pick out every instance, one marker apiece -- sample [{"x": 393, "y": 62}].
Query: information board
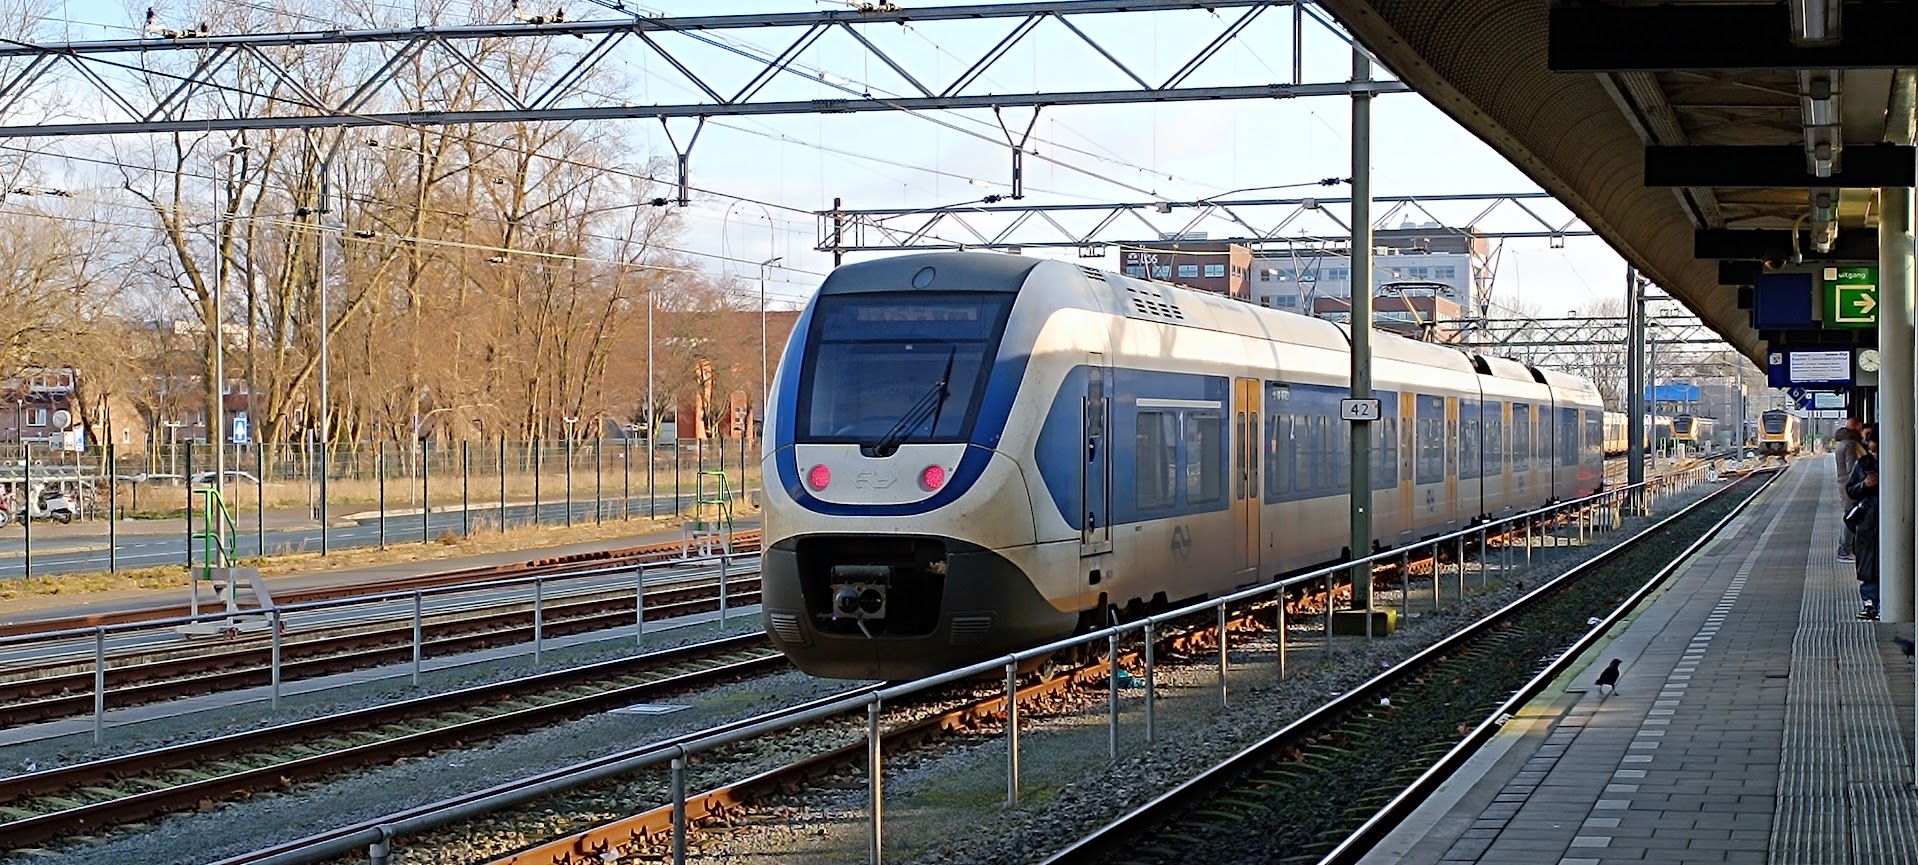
[{"x": 1819, "y": 367}]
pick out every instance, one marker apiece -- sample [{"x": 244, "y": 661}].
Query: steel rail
[
  {"x": 349, "y": 839},
  {"x": 251, "y": 667},
  {"x": 97, "y": 816}
]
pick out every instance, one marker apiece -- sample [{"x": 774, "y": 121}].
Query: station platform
[{"x": 1756, "y": 720}]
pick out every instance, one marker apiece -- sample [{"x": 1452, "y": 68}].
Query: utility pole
[
  {"x": 326, "y": 324},
  {"x": 1635, "y": 347},
  {"x": 838, "y": 231},
  {"x": 1361, "y": 495}
]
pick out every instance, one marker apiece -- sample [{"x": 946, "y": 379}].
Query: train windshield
[
  {"x": 1774, "y": 423},
  {"x": 1682, "y": 424},
  {"x": 892, "y": 368}
]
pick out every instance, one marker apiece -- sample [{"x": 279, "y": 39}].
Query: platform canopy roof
[{"x": 1697, "y": 137}]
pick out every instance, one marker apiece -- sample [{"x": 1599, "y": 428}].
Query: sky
[{"x": 1093, "y": 154}]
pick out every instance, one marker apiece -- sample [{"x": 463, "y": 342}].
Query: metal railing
[{"x": 538, "y": 589}]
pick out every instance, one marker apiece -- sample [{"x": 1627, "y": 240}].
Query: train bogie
[{"x": 974, "y": 453}]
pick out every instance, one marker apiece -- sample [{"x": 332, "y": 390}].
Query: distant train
[
  {"x": 1658, "y": 433},
  {"x": 976, "y": 453},
  {"x": 1693, "y": 431},
  {"x": 1778, "y": 434}
]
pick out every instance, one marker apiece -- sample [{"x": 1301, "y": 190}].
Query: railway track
[
  {"x": 743, "y": 542},
  {"x": 648, "y": 835},
  {"x": 88, "y": 798},
  {"x": 248, "y": 663},
  {"x": 1318, "y": 791}
]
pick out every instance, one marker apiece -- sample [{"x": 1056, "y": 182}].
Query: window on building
[
  {"x": 1135, "y": 270},
  {"x": 1289, "y": 301},
  {"x": 1265, "y": 274},
  {"x": 1157, "y": 460},
  {"x": 1215, "y": 270},
  {"x": 36, "y": 417},
  {"x": 1162, "y": 271},
  {"x": 1444, "y": 271},
  {"x": 1188, "y": 270},
  {"x": 1419, "y": 272},
  {"x": 1265, "y": 301}
]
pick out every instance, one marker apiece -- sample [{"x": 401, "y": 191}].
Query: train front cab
[{"x": 871, "y": 568}]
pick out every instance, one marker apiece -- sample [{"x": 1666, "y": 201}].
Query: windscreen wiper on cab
[{"x": 932, "y": 404}]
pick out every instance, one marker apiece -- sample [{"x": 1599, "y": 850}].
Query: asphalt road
[{"x": 64, "y": 553}]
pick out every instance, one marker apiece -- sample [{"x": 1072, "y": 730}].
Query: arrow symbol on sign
[{"x": 1866, "y": 304}]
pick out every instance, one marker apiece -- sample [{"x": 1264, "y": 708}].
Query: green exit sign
[{"x": 1851, "y": 297}]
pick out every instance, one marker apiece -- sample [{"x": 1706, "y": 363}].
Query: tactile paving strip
[{"x": 1845, "y": 772}]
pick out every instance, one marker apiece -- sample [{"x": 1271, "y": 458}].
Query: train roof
[
  {"x": 1566, "y": 382},
  {"x": 950, "y": 271},
  {"x": 1503, "y": 367},
  {"x": 1166, "y": 302}
]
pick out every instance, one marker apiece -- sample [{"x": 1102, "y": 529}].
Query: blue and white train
[{"x": 973, "y": 453}]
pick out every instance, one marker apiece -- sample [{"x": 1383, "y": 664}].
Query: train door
[
  {"x": 1408, "y": 456},
  {"x": 1095, "y": 534},
  {"x": 1245, "y": 487},
  {"x": 1454, "y": 455}
]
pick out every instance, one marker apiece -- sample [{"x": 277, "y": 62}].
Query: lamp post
[
  {"x": 569, "y": 468},
  {"x": 326, "y": 325},
  {"x": 652, "y": 416},
  {"x": 216, "y": 412},
  {"x": 765, "y": 393},
  {"x": 172, "y": 446}
]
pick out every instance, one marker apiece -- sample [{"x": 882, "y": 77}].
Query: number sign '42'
[{"x": 1358, "y": 409}]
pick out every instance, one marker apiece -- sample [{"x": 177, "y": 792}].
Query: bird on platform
[
  {"x": 1608, "y": 680},
  {"x": 1904, "y": 645}
]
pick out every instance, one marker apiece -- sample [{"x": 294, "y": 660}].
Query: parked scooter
[{"x": 46, "y": 503}]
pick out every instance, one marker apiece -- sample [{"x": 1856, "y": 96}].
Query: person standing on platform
[
  {"x": 1862, "y": 487},
  {"x": 1845, "y": 447}
]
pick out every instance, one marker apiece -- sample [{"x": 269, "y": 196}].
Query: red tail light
[
  {"x": 819, "y": 477},
  {"x": 933, "y": 477}
]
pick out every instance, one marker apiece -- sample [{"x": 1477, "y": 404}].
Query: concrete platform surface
[{"x": 1756, "y": 721}]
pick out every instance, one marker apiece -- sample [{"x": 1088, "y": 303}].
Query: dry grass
[
  {"x": 404, "y": 491},
  {"x": 486, "y": 538}
]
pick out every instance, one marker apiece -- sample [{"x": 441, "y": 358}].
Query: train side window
[
  {"x": 1542, "y": 439},
  {"x": 1320, "y": 467},
  {"x": 1278, "y": 440},
  {"x": 1495, "y": 440},
  {"x": 1157, "y": 460},
  {"x": 1568, "y": 432},
  {"x": 1383, "y": 453},
  {"x": 1431, "y": 440},
  {"x": 1341, "y": 435},
  {"x": 1302, "y": 455},
  {"x": 1276, "y": 461},
  {"x": 1468, "y": 440},
  {"x": 1204, "y": 458},
  {"x": 1392, "y": 451},
  {"x": 1521, "y": 437}
]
